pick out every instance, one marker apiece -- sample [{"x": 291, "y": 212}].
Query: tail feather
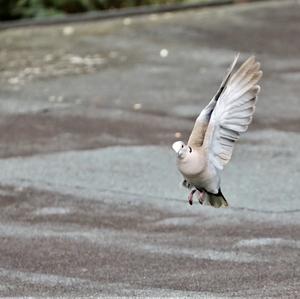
[{"x": 217, "y": 200}]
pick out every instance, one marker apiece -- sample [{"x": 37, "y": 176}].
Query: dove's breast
[
  {"x": 198, "y": 171},
  {"x": 193, "y": 164}
]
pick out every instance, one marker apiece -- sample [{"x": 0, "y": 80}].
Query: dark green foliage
[
  {"x": 7, "y": 9},
  {"x": 15, "y": 9}
]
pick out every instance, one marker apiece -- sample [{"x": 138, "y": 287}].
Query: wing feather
[
  {"x": 233, "y": 112},
  {"x": 198, "y": 133}
]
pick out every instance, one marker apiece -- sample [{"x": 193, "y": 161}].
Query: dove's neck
[{"x": 193, "y": 164}]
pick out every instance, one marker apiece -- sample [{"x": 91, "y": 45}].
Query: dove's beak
[{"x": 180, "y": 153}]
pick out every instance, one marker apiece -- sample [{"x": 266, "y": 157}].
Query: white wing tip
[{"x": 258, "y": 89}]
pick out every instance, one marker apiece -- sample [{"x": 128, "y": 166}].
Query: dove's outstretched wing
[
  {"x": 232, "y": 113},
  {"x": 198, "y": 132}
]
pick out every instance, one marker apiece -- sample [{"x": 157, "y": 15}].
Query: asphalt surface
[{"x": 90, "y": 203}]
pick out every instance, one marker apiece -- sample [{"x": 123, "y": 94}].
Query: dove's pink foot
[
  {"x": 201, "y": 197},
  {"x": 190, "y": 198}
]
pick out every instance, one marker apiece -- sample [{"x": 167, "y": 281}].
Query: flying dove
[{"x": 215, "y": 132}]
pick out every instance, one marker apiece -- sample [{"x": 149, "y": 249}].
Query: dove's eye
[
  {"x": 190, "y": 149},
  {"x": 182, "y": 145}
]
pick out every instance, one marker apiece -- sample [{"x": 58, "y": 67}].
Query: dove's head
[{"x": 182, "y": 150}]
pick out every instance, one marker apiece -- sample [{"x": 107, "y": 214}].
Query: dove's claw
[
  {"x": 186, "y": 184},
  {"x": 201, "y": 197},
  {"x": 190, "y": 198}
]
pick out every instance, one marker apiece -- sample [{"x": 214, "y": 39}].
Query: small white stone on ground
[{"x": 163, "y": 53}]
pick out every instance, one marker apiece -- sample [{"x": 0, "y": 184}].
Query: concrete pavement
[{"x": 90, "y": 197}]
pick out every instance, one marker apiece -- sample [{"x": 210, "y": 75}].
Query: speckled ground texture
[{"x": 90, "y": 202}]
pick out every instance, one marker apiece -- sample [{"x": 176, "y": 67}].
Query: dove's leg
[
  {"x": 186, "y": 184},
  {"x": 201, "y": 197},
  {"x": 190, "y": 198}
]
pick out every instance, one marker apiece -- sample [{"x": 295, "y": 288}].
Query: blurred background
[
  {"x": 90, "y": 197},
  {"x": 17, "y": 9}
]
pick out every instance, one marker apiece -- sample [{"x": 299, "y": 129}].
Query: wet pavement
[{"x": 90, "y": 197}]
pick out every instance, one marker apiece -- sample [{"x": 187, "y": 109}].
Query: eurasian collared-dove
[{"x": 215, "y": 132}]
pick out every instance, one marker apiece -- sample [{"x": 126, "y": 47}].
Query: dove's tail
[{"x": 217, "y": 200}]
